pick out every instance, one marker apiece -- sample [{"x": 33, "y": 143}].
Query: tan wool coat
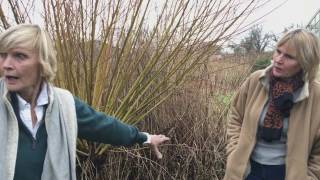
[{"x": 303, "y": 138}]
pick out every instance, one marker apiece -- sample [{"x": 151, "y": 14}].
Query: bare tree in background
[{"x": 256, "y": 41}]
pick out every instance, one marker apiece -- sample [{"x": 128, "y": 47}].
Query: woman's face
[
  {"x": 284, "y": 62},
  {"x": 20, "y": 68}
]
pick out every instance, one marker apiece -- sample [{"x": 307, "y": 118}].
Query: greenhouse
[{"x": 314, "y": 23}]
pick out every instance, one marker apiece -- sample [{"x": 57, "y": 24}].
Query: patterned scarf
[{"x": 281, "y": 92}]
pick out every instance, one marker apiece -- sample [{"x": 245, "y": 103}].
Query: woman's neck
[{"x": 30, "y": 95}]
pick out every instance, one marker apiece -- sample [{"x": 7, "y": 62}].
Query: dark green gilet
[{"x": 31, "y": 151}]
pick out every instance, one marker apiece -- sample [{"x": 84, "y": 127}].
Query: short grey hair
[{"x": 32, "y": 36}]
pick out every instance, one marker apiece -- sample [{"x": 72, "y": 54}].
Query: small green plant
[
  {"x": 224, "y": 99},
  {"x": 261, "y": 63}
]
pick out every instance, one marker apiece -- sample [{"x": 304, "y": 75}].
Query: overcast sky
[{"x": 291, "y": 12}]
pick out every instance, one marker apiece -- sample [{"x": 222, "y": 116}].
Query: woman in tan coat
[{"x": 274, "y": 123}]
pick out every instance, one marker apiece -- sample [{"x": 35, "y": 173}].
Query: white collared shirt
[{"x": 25, "y": 110}]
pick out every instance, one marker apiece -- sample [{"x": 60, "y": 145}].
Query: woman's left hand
[{"x": 156, "y": 140}]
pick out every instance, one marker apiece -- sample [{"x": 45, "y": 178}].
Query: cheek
[
  {"x": 30, "y": 74},
  {"x": 35, "y": 75},
  {"x": 274, "y": 56},
  {"x": 295, "y": 68},
  {"x": 1, "y": 69}
]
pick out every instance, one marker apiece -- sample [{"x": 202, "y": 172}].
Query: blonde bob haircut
[
  {"x": 32, "y": 37},
  {"x": 307, "y": 48}
]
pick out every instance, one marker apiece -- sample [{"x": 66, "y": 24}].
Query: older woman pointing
[{"x": 39, "y": 122}]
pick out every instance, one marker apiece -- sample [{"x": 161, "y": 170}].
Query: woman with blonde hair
[
  {"x": 274, "y": 122},
  {"x": 39, "y": 122}
]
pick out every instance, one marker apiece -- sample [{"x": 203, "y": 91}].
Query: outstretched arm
[{"x": 99, "y": 127}]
